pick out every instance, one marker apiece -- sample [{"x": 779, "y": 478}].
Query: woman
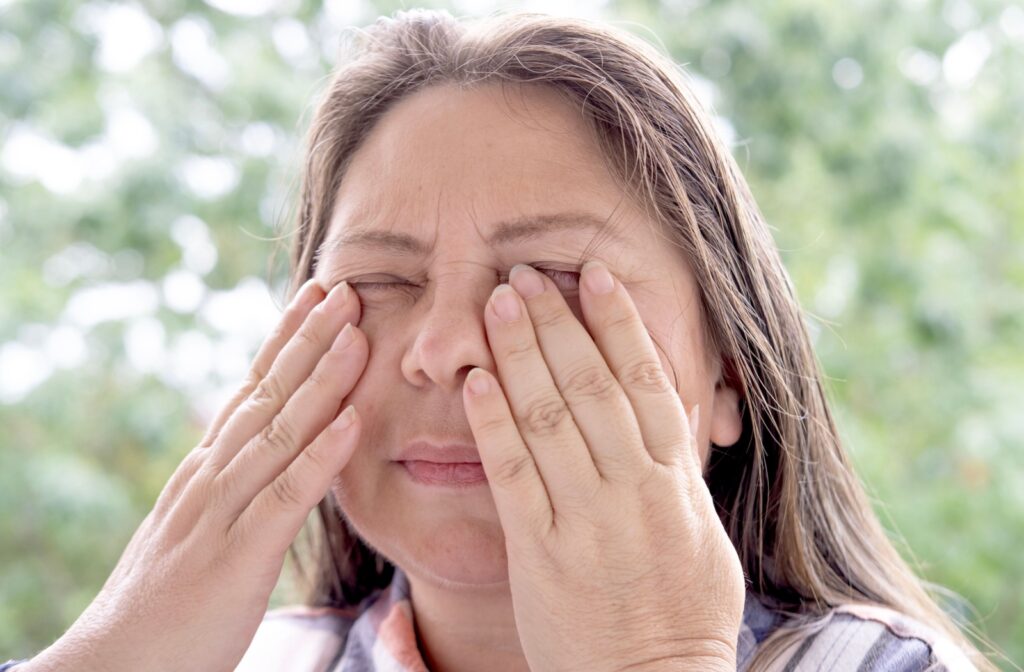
[{"x": 584, "y": 427}]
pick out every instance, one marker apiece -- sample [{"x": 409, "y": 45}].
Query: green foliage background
[{"x": 882, "y": 139}]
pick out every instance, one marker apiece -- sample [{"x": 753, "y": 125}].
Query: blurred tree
[{"x": 149, "y": 163}]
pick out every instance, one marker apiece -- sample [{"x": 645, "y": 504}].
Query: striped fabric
[{"x": 379, "y": 636}]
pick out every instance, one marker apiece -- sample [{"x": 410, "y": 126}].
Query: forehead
[{"x": 507, "y": 164}]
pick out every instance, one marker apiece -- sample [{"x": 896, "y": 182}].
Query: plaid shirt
[{"x": 379, "y": 636}]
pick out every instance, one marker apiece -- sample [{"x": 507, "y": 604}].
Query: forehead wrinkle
[
  {"x": 371, "y": 240},
  {"x": 378, "y": 235},
  {"x": 517, "y": 230},
  {"x": 437, "y": 215},
  {"x": 470, "y": 210},
  {"x": 460, "y": 267}
]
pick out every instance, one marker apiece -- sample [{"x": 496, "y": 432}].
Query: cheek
[
  {"x": 378, "y": 303},
  {"x": 381, "y": 315},
  {"x": 384, "y": 324},
  {"x": 669, "y": 337}
]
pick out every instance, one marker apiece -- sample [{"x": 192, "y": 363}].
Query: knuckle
[
  {"x": 196, "y": 458},
  {"x": 550, "y": 318},
  {"x": 216, "y": 489},
  {"x": 620, "y": 322},
  {"x": 252, "y": 380},
  {"x": 319, "y": 378},
  {"x": 286, "y": 492},
  {"x": 317, "y": 459},
  {"x": 545, "y": 416},
  {"x": 519, "y": 352},
  {"x": 667, "y": 446},
  {"x": 493, "y": 426},
  {"x": 513, "y": 470},
  {"x": 268, "y": 392},
  {"x": 310, "y": 337},
  {"x": 591, "y": 382},
  {"x": 278, "y": 436},
  {"x": 646, "y": 375}
]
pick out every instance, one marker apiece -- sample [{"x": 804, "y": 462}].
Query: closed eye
[
  {"x": 367, "y": 285},
  {"x": 566, "y": 281}
]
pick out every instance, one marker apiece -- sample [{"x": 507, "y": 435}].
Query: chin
[
  {"x": 447, "y": 541},
  {"x": 456, "y": 554}
]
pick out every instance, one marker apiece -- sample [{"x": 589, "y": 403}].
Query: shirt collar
[{"x": 383, "y": 637}]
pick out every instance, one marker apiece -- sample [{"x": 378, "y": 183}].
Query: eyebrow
[{"x": 506, "y": 232}]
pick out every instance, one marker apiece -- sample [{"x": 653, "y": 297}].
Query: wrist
[
  {"x": 59, "y": 656},
  {"x": 709, "y": 655},
  {"x": 688, "y": 664}
]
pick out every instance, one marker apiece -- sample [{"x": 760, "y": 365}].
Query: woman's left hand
[{"x": 617, "y": 559}]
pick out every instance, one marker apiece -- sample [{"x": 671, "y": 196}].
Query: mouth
[
  {"x": 450, "y": 474},
  {"x": 439, "y": 452},
  {"x": 436, "y": 461}
]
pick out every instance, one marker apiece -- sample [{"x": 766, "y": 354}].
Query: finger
[
  {"x": 516, "y": 485},
  {"x": 308, "y": 411},
  {"x": 278, "y": 512},
  {"x": 693, "y": 420},
  {"x": 540, "y": 413},
  {"x": 599, "y": 406},
  {"x": 620, "y": 334},
  {"x": 178, "y": 481},
  {"x": 305, "y": 299},
  {"x": 290, "y": 368}
]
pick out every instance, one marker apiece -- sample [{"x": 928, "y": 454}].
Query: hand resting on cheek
[{"x": 610, "y": 529}]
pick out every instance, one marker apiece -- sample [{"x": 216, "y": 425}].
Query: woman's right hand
[{"x": 194, "y": 582}]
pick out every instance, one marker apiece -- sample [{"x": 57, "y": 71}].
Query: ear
[{"x": 726, "y": 418}]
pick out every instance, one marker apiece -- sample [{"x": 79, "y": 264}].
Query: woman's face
[{"x": 454, "y": 188}]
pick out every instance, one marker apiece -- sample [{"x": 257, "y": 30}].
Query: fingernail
[
  {"x": 478, "y": 383},
  {"x": 695, "y": 421},
  {"x": 526, "y": 280},
  {"x": 597, "y": 278},
  {"x": 505, "y": 303},
  {"x": 345, "y": 338},
  {"x": 304, "y": 291},
  {"x": 346, "y": 418},
  {"x": 339, "y": 294}
]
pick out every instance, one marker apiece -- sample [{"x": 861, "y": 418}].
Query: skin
[
  {"x": 587, "y": 540},
  {"x": 198, "y": 572},
  {"x": 446, "y": 166}
]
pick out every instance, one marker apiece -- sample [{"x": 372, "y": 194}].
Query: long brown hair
[{"x": 795, "y": 510}]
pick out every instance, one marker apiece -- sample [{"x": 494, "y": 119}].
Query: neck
[{"x": 462, "y": 629}]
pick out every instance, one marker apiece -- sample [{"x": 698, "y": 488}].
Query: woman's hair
[{"x": 786, "y": 493}]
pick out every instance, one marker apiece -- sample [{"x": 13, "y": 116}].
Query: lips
[
  {"x": 439, "y": 453},
  {"x": 442, "y": 463},
  {"x": 448, "y": 473}
]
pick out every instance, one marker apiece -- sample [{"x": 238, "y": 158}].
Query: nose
[{"x": 451, "y": 338}]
